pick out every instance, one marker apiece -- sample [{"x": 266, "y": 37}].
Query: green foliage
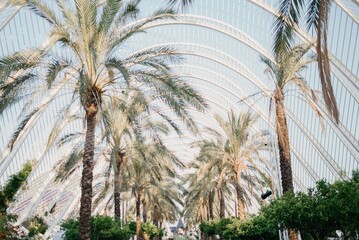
[
  {"x": 107, "y": 228},
  {"x": 256, "y": 228},
  {"x": 6, "y": 231},
  {"x": 7, "y": 196},
  {"x": 320, "y": 212},
  {"x": 151, "y": 230},
  {"x": 35, "y": 225},
  {"x": 317, "y": 214},
  {"x": 103, "y": 228},
  {"x": 216, "y": 226},
  {"x": 71, "y": 228},
  {"x": 13, "y": 185}
]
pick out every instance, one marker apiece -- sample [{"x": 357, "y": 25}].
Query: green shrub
[
  {"x": 7, "y": 194},
  {"x": 255, "y": 228},
  {"x": 35, "y": 225},
  {"x": 12, "y": 185},
  {"x": 102, "y": 227},
  {"x": 107, "y": 228},
  {"x": 317, "y": 214},
  {"x": 151, "y": 230}
]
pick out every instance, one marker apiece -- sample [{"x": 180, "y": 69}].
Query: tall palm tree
[
  {"x": 150, "y": 164},
  {"x": 317, "y": 17},
  {"x": 210, "y": 174},
  {"x": 287, "y": 72},
  {"x": 91, "y": 34},
  {"x": 227, "y": 161},
  {"x": 239, "y": 150}
]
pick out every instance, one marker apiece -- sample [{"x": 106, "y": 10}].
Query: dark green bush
[
  {"x": 151, "y": 230},
  {"x": 35, "y": 225},
  {"x": 103, "y": 228},
  {"x": 12, "y": 185},
  {"x": 256, "y": 228},
  {"x": 107, "y": 228},
  {"x": 317, "y": 214},
  {"x": 7, "y": 194}
]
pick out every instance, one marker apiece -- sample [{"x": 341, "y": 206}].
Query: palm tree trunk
[
  {"x": 283, "y": 144},
  {"x": 117, "y": 186},
  {"x": 240, "y": 196},
  {"x": 138, "y": 215},
  {"x": 210, "y": 205},
  {"x": 222, "y": 206},
  {"x": 154, "y": 216},
  {"x": 236, "y": 209},
  {"x": 284, "y": 151},
  {"x": 117, "y": 195},
  {"x": 87, "y": 177},
  {"x": 144, "y": 211}
]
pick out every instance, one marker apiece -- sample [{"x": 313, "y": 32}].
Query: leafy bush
[
  {"x": 12, "y": 185},
  {"x": 256, "y": 228},
  {"x": 35, "y": 225},
  {"x": 216, "y": 226},
  {"x": 321, "y": 211},
  {"x": 151, "y": 230},
  {"x": 7, "y": 194},
  {"x": 317, "y": 214},
  {"x": 107, "y": 228},
  {"x": 103, "y": 228},
  {"x": 6, "y": 231}
]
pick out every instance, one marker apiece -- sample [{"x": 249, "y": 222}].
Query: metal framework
[{"x": 322, "y": 161}]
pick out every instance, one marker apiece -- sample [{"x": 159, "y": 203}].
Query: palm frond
[
  {"x": 68, "y": 138},
  {"x": 68, "y": 115},
  {"x": 183, "y": 2},
  {"x": 120, "y": 66},
  {"x": 39, "y": 8},
  {"x": 68, "y": 165},
  {"x": 54, "y": 68},
  {"x": 12, "y": 92},
  {"x": 286, "y": 23},
  {"x": 109, "y": 12},
  {"x": 323, "y": 59},
  {"x": 22, "y": 126},
  {"x": 126, "y": 32},
  {"x": 23, "y": 60}
]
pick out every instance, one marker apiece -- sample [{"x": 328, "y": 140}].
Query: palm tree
[
  {"x": 151, "y": 164},
  {"x": 165, "y": 199},
  {"x": 317, "y": 17},
  {"x": 211, "y": 176},
  {"x": 225, "y": 162},
  {"x": 239, "y": 149},
  {"x": 287, "y": 72},
  {"x": 91, "y": 34},
  {"x": 284, "y": 73}
]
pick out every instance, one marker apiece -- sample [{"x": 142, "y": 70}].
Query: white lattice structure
[{"x": 221, "y": 42}]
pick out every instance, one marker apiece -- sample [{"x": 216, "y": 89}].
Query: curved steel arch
[
  {"x": 250, "y": 42},
  {"x": 245, "y": 72},
  {"x": 305, "y": 37},
  {"x": 308, "y": 168},
  {"x": 227, "y": 29},
  {"x": 251, "y": 105},
  {"x": 222, "y": 27}
]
